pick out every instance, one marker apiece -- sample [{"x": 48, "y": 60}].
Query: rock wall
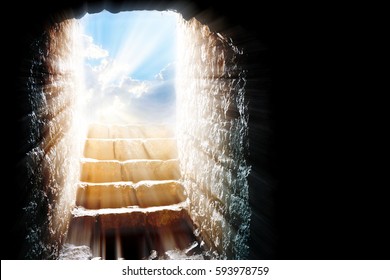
[
  {"x": 51, "y": 163},
  {"x": 212, "y": 131}
]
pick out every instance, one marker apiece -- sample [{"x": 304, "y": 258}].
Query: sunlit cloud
[
  {"x": 91, "y": 50},
  {"x": 130, "y": 64},
  {"x": 113, "y": 72},
  {"x": 135, "y": 87},
  {"x": 167, "y": 73}
]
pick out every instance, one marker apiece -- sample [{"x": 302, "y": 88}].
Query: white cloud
[
  {"x": 92, "y": 50},
  {"x": 110, "y": 78},
  {"x": 167, "y": 73},
  {"x": 135, "y": 87},
  {"x": 108, "y": 73}
]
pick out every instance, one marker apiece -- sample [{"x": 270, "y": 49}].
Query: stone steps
[
  {"x": 125, "y": 149},
  {"x": 104, "y": 131},
  {"x": 102, "y": 171},
  {"x": 157, "y": 216},
  {"x": 124, "y": 194},
  {"x": 132, "y": 233},
  {"x": 129, "y": 199}
]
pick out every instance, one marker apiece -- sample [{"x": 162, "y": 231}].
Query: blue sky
[{"x": 129, "y": 62}]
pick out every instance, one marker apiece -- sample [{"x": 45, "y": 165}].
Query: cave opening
[
  {"x": 126, "y": 171},
  {"x": 129, "y": 163}
]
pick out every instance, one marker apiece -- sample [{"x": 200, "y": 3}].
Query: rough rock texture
[
  {"x": 51, "y": 164},
  {"x": 71, "y": 252},
  {"x": 212, "y": 138}
]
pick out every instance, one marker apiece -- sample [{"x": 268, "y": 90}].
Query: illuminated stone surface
[
  {"x": 105, "y": 195},
  {"x": 125, "y": 149},
  {"x": 152, "y": 148},
  {"x": 212, "y": 130},
  {"x": 98, "y": 171},
  {"x": 124, "y": 194},
  {"x": 99, "y": 149},
  {"x": 130, "y": 131},
  {"x": 159, "y": 193},
  {"x": 138, "y": 170},
  {"x": 129, "y": 201}
]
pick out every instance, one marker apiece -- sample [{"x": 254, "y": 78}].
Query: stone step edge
[
  {"x": 130, "y": 184},
  {"x": 138, "y": 124},
  {"x": 82, "y": 212},
  {"x": 92, "y": 160},
  {"x": 130, "y": 139}
]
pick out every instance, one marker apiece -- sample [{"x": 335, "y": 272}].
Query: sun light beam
[{"x": 125, "y": 55}]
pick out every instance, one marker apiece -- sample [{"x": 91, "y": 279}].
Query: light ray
[{"x": 125, "y": 54}]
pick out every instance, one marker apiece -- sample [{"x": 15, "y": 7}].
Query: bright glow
[
  {"x": 91, "y": 50},
  {"x": 129, "y": 68}
]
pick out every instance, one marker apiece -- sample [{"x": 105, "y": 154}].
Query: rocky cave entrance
[{"x": 178, "y": 190}]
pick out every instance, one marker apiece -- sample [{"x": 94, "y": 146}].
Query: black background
[{"x": 325, "y": 192}]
